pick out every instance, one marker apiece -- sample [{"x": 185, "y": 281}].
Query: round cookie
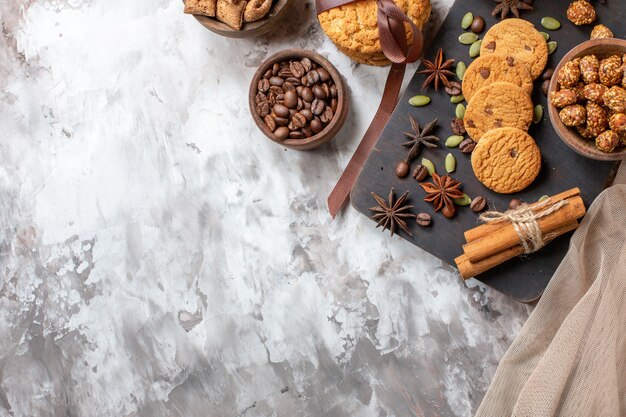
[
  {"x": 498, "y": 105},
  {"x": 506, "y": 160},
  {"x": 354, "y": 29},
  {"x": 492, "y": 68},
  {"x": 519, "y": 39}
]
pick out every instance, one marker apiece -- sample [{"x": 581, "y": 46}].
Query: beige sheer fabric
[{"x": 569, "y": 359}]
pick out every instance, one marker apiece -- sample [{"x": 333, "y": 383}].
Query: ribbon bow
[{"x": 393, "y": 41}]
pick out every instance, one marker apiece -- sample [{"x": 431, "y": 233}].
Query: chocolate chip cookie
[
  {"x": 506, "y": 160},
  {"x": 492, "y": 68},
  {"x": 498, "y": 105},
  {"x": 519, "y": 39}
]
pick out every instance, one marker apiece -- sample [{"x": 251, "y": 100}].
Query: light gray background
[{"x": 160, "y": 257}]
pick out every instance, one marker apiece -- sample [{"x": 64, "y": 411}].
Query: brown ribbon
[{"x": 393, "y": 35}]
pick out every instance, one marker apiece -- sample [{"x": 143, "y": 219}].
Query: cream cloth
[{"x": 569, "y": 359}]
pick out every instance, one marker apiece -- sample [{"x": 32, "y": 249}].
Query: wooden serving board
[{"x": 524, "y": 278}]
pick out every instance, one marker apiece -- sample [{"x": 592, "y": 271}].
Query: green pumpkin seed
[
  {"x": 454, "y": 141},
  {"x": 457, "y": 99},
  {"x": 468, "y": 38},
  {"x": 460, "y": 70},
  {"x": 429, "y": 165},
  {"x": 419, "y": 101},
  {"x": 464, "y": 201},
  {"x": 545, "y": 36},
  {"x": 460, "y": 111},
  {"x": 450, "y": 163},
  {"x": 538, "y": 114},
  {"x": 474, "y": 50},
  {"x": 467, "y": 20},
  {"x": 543, "y": 198},
  {"x": 550, "y": 23},
  {"x": 552, "y": 47}
]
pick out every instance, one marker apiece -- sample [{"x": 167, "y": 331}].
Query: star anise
[
  {"x": 505, "y": 7},
  {"x": 437, "y": 71},
  {"x": 441, "y": 192},
  {"x": 419, "y": 137},
  {"x": 391, "y": 214}
]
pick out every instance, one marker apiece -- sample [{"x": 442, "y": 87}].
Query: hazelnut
[
  {"x": 615, "y": 99},
  {"x": 589, "y": 69},
  {"x": 607, "y": 141},
  {"x": 617, "y": 123},
  {"x": 569, "y": 75},
  {"x": 601, "y": 31},
  {"x": 611, "y": 70},
  {"x": 574, "y": 115},
  {"x": 563, "y": 98},
  {"x": 581, "y": 12}
]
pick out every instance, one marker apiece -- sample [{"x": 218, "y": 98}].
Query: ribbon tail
[{"x": 340, "y": 195}]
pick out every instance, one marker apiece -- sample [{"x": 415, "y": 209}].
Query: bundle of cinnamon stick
[{"x": 494, "y": 243}]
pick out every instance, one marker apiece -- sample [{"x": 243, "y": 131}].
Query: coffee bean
[
  {"x": 515, "y": 204},
  {"x": 305, "y": 81},
  {"x": 307, "y": 94},
  {"x": 457, "y": 127},
  {"x": 478, "y": 204},
  {"x": 402, "y": 169},
  {"x": 285, "y": 73},
  {"x": 277, "y": 81},
  {"x": 319, "y": 92},
  {"x": 454, "y": 89},
  {"x": 306, "y": 64},
  {"x": 299, "y": 90},
  {"x": 277, "y": 90},
  {"x": 424, "y": 219},
  {"x": 268, "y": 74},
  {"x": 297, "y": 69},
  {"x": 298, "y": 120},
  {"x": 467, "y": 146},
  {"x": 478, "y": 24},
  {"x": 292, "y": 112},
  {"x": 281, "y": 121},
  {"x": 307, "y": 105},
  {"x": 545, "y": 87},
  {"x": 296, "y": 134},
  {"x": 324, "y": 74},
  {"x": 333, "y": 90},
  {"x": 328, "y": 115},
  {"x": 316, "y": 125},
  {"x": 264, "y": 85},
  {"x": 307, "y": 132},
  {"x": 293, "y": 81},
  {"x": 281, "y": 110},
  {"x": 263, "y": 109},
  {"x": 326, "y": 89},
  {"x": 270, "y": 122},
  {"x": 333, "y": 104},
  {"x": 420, "y": 173},
  {"x": 275, "y": 68},
  {"x": 281, "y": 133},
  {"x": 260, "y": 97},
  {"x": 291, "y": 99},
  {"x": 317, "y": 107},
  {"x": 300, "y": 105},
  {"x": 313, "y": 76},
  {"x": 308, "y": 114},
  {"x": 547, "y": 74},
  {"x": 288, "y": 87}
]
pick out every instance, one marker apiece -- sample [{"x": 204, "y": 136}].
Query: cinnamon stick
[
  {"x": 470, "y": 269},
  {"x": 487, "y": 228},
  {"x": 506, "y": 237}
]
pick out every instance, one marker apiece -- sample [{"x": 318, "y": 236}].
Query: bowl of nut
[
  {"x": 298, "y": 99},
  {"x": 587, "y": 99},
  {"x": 238, "y": 18}
]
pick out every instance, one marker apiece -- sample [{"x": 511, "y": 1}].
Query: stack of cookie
[
  {"x": 232, "y": 12},
  {"x": 353, "y": 27},
  {"x": 497, "y": 86}
]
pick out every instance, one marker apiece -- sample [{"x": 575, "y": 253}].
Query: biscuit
[
  {"x": 256, "y": 10},
  {"x": 231, "y": 12},
  {"x": 506, "y": 160},
  {"x": 201, "y": 7},
  {"x": 353, "y": 27},
  {"x": 498, "y": 105},
  {"x": 489, "y": 69},
  {"x": 519, "y": 39}
]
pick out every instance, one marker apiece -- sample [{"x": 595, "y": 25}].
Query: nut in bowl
[
  {"x": 587, "y": 99},
  {"x": 298, "y": 99}
]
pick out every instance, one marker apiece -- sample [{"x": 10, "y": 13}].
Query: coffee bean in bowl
[{"x": 298, "y": 99}]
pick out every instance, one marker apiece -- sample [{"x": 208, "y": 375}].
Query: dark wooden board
[{"x": 524, "y": 278}]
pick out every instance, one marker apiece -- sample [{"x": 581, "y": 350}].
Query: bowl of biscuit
[
  {"x": 587, "y": 99},
  {"x": 238, "y": 18}
]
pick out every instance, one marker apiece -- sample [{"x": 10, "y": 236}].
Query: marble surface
[{"x": 160, "y": 257}]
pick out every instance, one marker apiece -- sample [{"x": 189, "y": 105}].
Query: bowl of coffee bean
[{"x": 298, "y": 99}]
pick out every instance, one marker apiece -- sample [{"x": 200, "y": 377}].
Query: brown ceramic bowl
[
  {"x": 601, "y": 48},
  {"x": 249, "y": 30},
  {"x": 331, "y": 129}
]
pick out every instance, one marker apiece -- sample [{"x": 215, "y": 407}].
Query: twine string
[{"x": 525, "y": 222}]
